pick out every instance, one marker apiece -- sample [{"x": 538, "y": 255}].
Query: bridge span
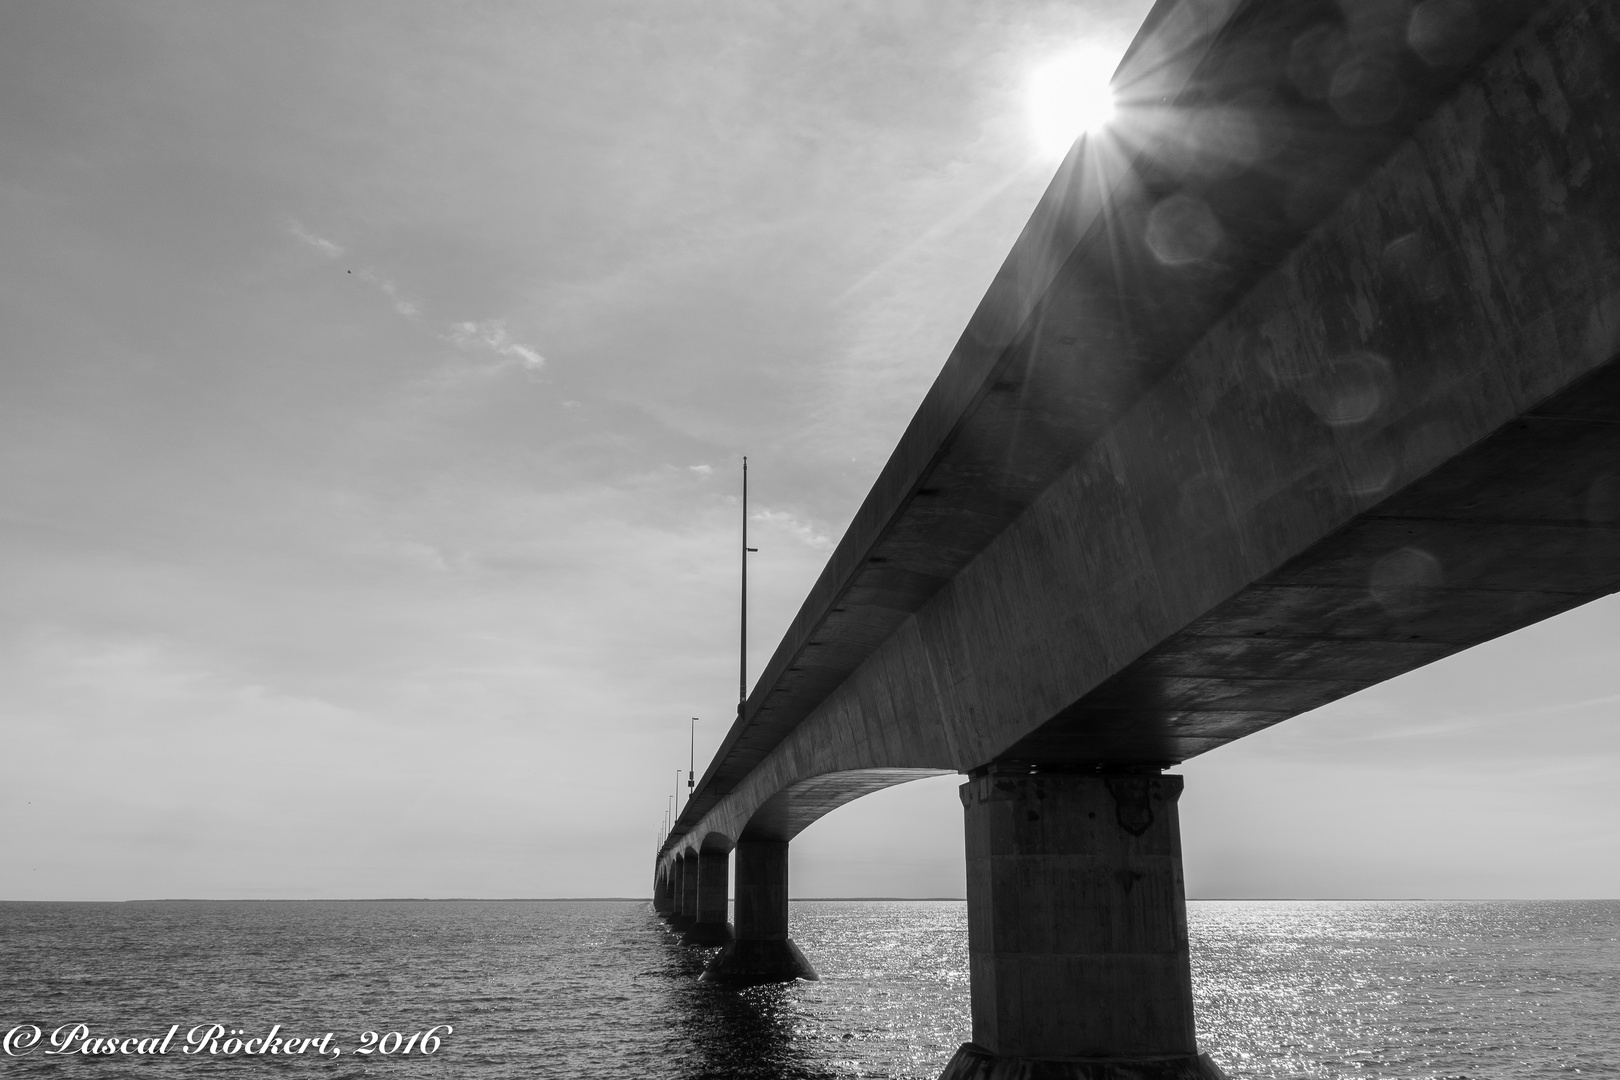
[{"x": 1301, "y": 376}]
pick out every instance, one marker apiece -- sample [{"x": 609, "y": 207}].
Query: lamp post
[{"x": 742, "y": 660}]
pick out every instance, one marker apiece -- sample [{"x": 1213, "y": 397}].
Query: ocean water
[{"x": 602, "y": 990}]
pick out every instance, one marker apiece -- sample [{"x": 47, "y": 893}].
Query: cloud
[
  {"x": 319, "y": 243},
  {"x": 405, "y": 307},
  {"x": 333, "y": 250},
  {"x": 795, "y": 527},
  {"x": 706, "y": 470},
  {"x": 492, "y": 334}
]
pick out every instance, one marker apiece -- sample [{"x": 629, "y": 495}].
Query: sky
[{"x": 373, "y": 384}]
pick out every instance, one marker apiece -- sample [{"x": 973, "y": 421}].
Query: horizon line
[{"x": 791, "y": 899}]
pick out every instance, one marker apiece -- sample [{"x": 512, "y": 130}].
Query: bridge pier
[
  {"x": 663, "y": 894},
  {"x": 713, "y": 881},
  {"x": 761, "y": 951},
  {"x": 1077, "y": 930},
  {"x": 686, "y": 882}
]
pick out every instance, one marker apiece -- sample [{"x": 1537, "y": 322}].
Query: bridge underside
[
  {"x": 1163, "y": 498},
  {"x": 1521, "y": 526},
  {"x": 798, "y": 806},
  {"x": 1399, "y": 439}
]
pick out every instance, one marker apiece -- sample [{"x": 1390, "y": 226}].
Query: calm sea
[{"x": 600, "y": 989}]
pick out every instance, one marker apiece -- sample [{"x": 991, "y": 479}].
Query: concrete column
[
  {"x": 714, "y": 880},
  {"x": 672, "y": 873},
  {"x": 1077, "y": 930},
  {"x": 687, "y": 909},
  {"x": 761, "y": 951},
  {"x": 683, "y": 908},
  {"x": 663, "y": 893}
]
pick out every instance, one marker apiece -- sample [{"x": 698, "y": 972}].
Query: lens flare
[{"x": 1069, "y": 96}]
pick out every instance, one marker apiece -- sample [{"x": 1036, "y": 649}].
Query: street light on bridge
[
  {"x": 742, "y": 659},
  {"x": 691, "y": 762}
]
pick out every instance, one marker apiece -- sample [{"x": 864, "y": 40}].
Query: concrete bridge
[{"x": 1300, "y": 377}]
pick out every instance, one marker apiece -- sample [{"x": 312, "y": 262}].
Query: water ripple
[{"x": 594, "y": 989}]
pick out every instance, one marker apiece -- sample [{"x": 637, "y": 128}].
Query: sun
[{"x": 1069, "y": 96}]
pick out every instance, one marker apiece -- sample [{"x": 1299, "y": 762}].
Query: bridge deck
[{"x": 1363, "y": 387}]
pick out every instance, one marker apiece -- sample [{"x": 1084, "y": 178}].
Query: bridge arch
[
  {"x": 783, "y": 814},
  {"x": 799, "y": 805},
  {"x": 761, "y": 949}
]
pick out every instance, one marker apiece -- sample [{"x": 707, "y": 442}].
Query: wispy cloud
[
  {"x": 485, "y": 336},
  {"x": 794, "y": 526},
  {"x": 492, "y": 334},
  {"x": 320, "y": 243},
  {"x": 333, "y": 250},
  {"x": 401, "y": 304}
]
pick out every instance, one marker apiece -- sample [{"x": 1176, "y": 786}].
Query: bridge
[{"x": 1301, "y": 376}]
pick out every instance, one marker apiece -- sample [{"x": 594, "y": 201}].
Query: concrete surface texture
[
  {"x": 1075, "y": 893},
  {"x": 710, "y": 924}
]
